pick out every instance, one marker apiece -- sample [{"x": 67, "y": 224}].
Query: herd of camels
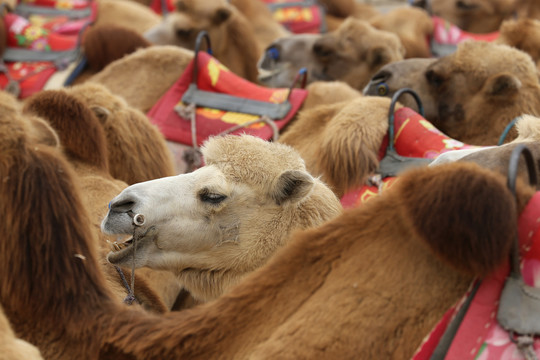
[{"x": 120, "y": 243}]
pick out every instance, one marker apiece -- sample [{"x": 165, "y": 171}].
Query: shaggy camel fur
[
  {"x": 523, "y": 34},
  {"x": 338, "y": 262},
  {"x": 340, "y": 142},
  {"x": 233, "y": 43},
  {"x": 84, "y": 143},
  {"x": 408, "y": 73},
  {"x": 352, "y": 54},
  {"x": 226, "y": 218},
  {"x": 104, "y": 44},
  {"x": 137, "y": 149},
  {"x": 476, "y": 16},
  {"x": 478, "y": 90},
  {"x": 12, "y": 347},
  {"x": 413, "y": 26}
]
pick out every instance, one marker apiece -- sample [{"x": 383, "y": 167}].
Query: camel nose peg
[{"x": 138, "y": 220}]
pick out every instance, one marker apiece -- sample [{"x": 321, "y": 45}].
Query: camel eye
[
  {"x": 184, "y": 33},
  {"x": 212, "y": 198},
  {"x": 382, "y": 89}
]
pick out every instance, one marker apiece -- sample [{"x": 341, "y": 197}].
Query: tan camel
[
  {"x": 352, "y": 54},
  {"x": 237, "y": 211},
  {"x": 233, "y": 42},
  {"x": 523, "y": 34},
  {"x": 412, "y": 25},
  {"x": 478, "y": 91},
  {"x": 347, "y": 288},
  {"x": 12, "y": 347}
]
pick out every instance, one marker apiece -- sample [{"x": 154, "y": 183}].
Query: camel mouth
[
  {"x": 119, "y": 246},
  {"x": 125, "y": 252}
]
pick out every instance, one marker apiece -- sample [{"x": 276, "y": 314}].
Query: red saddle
[
  {"x": 222, "y": 98},
  {"x": 298, "y": 16},
  {"x": 415, "y": 137},
  {"x": 446, "y": 36}
]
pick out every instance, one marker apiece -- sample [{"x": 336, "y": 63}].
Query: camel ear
[
  {"x": 465, "y": 214},
  {"x": 101, "y": 113},
  {"x": 502, "y": 85},
  {"x": 293, "y": 186},
  {"x": 378, "y": 57},
  {"x": 221, "y": 15}
]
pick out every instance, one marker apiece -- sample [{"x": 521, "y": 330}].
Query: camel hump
[
  {"x": 468, "y": 217},
  {"x": 78, "y": 129},
  {"x": 106, "y": 43}
]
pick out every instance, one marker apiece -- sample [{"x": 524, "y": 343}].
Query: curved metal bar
[
  {"x": 507, "y": 130},
  {"x": 395, "y": 98},
  {"x": 513, "y": 164},
  {"x": 202, "y": 35}
]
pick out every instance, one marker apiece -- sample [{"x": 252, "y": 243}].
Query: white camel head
[{"x": 216, "y": 224}]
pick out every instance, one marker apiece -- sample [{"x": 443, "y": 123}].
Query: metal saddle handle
[
  {"x": 393, "y": 164},
  {"x": 519, "y": 306}
]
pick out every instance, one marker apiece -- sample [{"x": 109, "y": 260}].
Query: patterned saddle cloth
[
  {"x": 224, "y": 102},
  {"x": 415, "y": 137},
  {"x": 43, "y": 38}
]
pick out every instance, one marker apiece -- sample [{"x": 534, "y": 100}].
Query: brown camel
[
  {"x": 475, "y": 16},
  {"x": 410, "y": 290},
  {"x": 85, "y": 145},
  {"x": 233, "y": 42},
  {"x": 412, "y": 25},
  {"x": 408, "y": 73},
  {"x": 352, "y": 54},
  {"x": 478, "y": 91}
]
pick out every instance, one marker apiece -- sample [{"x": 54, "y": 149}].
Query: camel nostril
[{"x": 123, "y": 205}]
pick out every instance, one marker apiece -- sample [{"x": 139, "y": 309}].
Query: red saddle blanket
[
  {"x": 42, "y": 42},
  {"x": 157, "y": 6},
  {"x": 479, "y": 336},
  {"x": 216, "y": 78},
  {"x": 446, "y": 36},
  {"x": 299, "y": 16},
  {"x": 414, "y": 137}
]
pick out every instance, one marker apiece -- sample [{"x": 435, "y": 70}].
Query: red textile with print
[
  {"x": 156, "y": 5},
  {"x": 297, "y": 18},
  {"x": 215, "y": 77},
  {"x": 445, "y": 32},
  {"x": 479, "y": 335},
  {"x": 414, "y": 137},
  {"x": 42, "y": 33}
]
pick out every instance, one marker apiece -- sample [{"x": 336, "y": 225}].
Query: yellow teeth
[{"x": 116, "y": 246}]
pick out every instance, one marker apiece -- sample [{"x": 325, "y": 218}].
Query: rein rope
[{"x": 137, "y": 221}]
